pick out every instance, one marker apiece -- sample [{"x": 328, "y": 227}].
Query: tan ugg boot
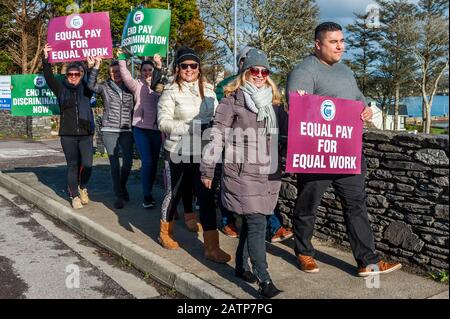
[
  {"x": 192, "y": 224},
  {"x": 166, "y": 235},
  {"x": 212, "y": 249}
]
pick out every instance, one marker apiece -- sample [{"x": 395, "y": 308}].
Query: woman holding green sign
[
  {"x": 145, "y": 129},
  {"x": 76, "y": 127}
]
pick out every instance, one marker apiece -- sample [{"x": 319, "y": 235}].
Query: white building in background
[{"x": 377, "y": 119}]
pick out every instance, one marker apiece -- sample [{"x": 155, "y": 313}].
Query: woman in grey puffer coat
[
  {"x": 247, "y": 122},
  {"x": 116, "y": 125}
]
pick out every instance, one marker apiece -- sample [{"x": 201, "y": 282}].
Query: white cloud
[{"x": 341, "y": 11}]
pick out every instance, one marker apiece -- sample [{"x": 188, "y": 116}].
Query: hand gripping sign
[
  {"x": 324, "y": 136},
  {"x": 75, "y": 37},
  {"x": 146, "y": 32}
]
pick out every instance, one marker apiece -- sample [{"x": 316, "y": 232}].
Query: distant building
[{"x": 377, "y": 119}]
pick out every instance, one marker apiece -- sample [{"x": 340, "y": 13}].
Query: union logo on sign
[
  {"x": 76, "y": 22},
  {"x": 328, "y": 110},
  {"x": 39, "y": 81},
  {"x": 138, "y": 17}
]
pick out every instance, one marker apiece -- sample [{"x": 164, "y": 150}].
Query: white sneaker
[{"x": 76, "y": 203}]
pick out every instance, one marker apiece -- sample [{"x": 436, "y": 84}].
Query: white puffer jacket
[{"x": 177, "y": 109}]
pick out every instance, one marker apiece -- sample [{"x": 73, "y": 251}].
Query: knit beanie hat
[
  {"x": 255, "y": 57},
  {"x": 242, "y": 53},
  {"x": 185, "y": 54}
]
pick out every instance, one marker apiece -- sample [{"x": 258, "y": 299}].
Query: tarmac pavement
[{"x": 132, "y": 232}]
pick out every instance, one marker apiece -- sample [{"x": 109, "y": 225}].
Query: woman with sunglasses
[
  {"x": 185, "y": 109},
  {"x": 76, "y": 127},
  {"x": 247, "y": 123},
  {"x": 145, "y": 129}
]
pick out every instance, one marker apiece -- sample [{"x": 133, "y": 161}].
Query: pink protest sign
[
  {"x": 75, "y": 37},
  {"x": 325, "y": 135}
]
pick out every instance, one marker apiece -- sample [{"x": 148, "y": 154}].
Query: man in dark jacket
[
  {"x": 116, "y": 125},
  {"x": 76, "y": 127}
]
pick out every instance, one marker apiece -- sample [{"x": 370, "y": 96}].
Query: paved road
[
  {"x": 42, "y": 258},
  {"x": 22, "y": 153}
]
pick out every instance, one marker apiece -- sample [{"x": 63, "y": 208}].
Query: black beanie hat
[{"x": 185, "y": 54}]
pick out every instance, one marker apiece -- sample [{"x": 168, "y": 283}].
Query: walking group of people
[{"x": 186, "y": 111}]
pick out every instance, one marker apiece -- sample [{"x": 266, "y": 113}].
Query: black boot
[
  {"x": 118, "y": 204},
  {"x": 268, "y": 290},
  {"x": 246, "y": 275},
  {"x": 125, "y": 195}
]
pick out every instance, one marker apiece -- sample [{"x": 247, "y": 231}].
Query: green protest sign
[
  {"x": 32, "y": 97},
  {"x": 146, "y": 32}
]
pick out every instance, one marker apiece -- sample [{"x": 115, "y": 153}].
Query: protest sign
[
  {"x": 32, "y": 97},
  {"x": 325, "y": 135},
  {"x": 146, "y": 32},
  {"x": 5, "y": 92},
  {"x": 75, "y": 37}
]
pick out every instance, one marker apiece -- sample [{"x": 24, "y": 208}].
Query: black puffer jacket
[
  {"x": 76, "y": 117},
  {"x": 118, "y": 102}
]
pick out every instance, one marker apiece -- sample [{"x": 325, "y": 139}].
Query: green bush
[{"x": 441, "y": 276}]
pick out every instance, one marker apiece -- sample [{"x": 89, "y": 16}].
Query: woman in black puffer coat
[{"x": 76, "y": 126}]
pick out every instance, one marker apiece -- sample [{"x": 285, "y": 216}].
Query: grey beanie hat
[
  {"x": 255, "y": 57},
  {"x": 242, "y": 53}
]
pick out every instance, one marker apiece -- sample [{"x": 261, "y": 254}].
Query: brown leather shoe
[
  {"x": 230, "y": 230},
  {"x": 381, "y": 267},
  {"x": 281, "y": 234},
  {"x": 307, "y": 264}
]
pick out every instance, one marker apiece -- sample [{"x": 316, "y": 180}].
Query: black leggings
[
  {"x": 181, "y": 179},
  {"x": 78, "y": 151}
]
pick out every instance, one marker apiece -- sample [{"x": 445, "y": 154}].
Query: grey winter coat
[
  {"x": 249, "y": 185},
  {"x": 118, "y": 102}
]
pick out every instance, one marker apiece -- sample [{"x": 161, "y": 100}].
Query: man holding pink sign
[{"x": 325, "y": 146}]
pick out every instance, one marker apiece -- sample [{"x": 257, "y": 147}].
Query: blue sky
[{"x": 341, "y": 11}]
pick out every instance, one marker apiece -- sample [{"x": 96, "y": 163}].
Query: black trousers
[
  {"x": 78, "y": 151},
  {"x": 351, "y": 191},
  {"x": 181, "y": 181}
]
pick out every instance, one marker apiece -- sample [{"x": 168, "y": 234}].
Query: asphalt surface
[
  {"x": 40, "y": 258},
  {"x": 132, "y": 231}
]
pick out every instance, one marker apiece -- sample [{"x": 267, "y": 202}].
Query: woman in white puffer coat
[{"x": 185, "y": 109}]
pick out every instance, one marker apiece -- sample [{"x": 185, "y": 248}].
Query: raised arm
[
  {"x": 52, "y": 82},
  {"x": 127, "y": 79},
  {"x": 157, "y": 71},
  {"x": 92, "y": 82}
]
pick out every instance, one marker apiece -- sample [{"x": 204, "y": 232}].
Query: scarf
[{"x": 259, "y": 101}]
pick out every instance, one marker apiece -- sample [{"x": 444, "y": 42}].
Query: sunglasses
[
  {"x": 185, "y": 66},
  {"x": 73, "y": 74},
  {"x": 255, "y": 72}
]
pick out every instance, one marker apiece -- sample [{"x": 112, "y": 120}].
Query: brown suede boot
[
  {"x": 166, "y": 235},
  {"x": 212, "y": 249},
  {"x": 192, "y": 223}
]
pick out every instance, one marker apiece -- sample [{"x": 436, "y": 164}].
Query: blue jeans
[
  {"x": 148, "y": 143},
  {"x": 252, "y": 245},
  {"x": 273, "y": 221},
  {"x": 227, "y": 216},
  {"x": 273, "y": 224}
]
